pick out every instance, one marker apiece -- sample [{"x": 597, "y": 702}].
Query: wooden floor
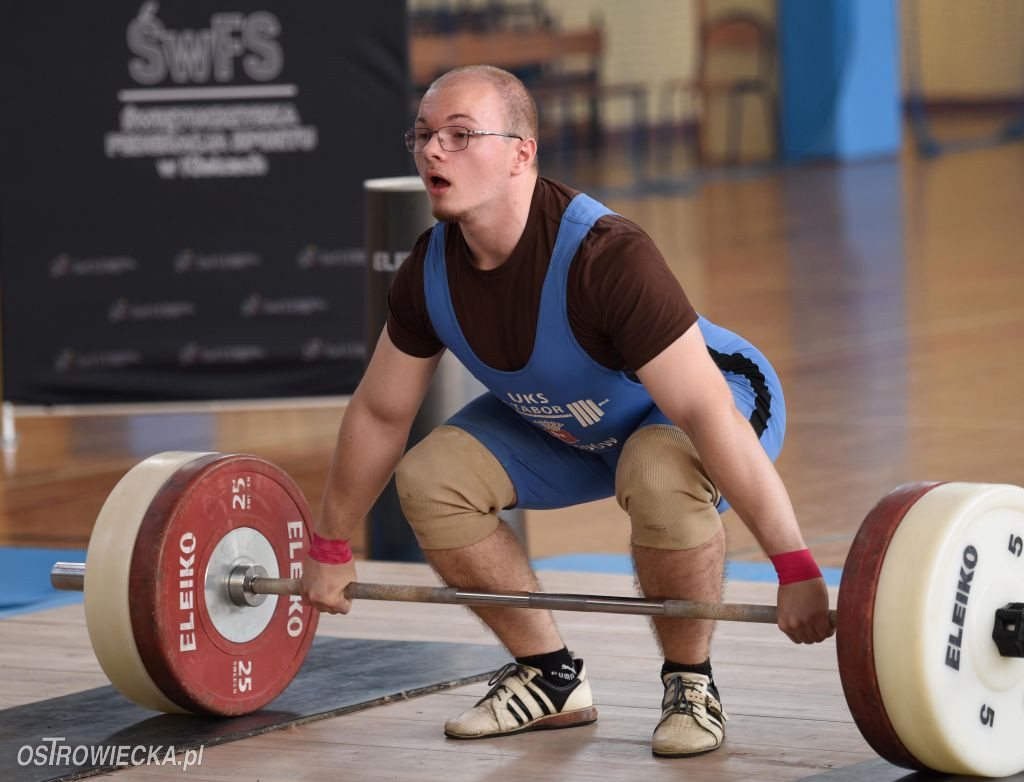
[
  {"x": 787, "y": 715},
  {"x": 890, "y": 297}
]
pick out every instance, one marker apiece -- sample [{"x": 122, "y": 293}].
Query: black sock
[
  {"x": 556, "y": 667},
  {"x": 703, "y": 668}
]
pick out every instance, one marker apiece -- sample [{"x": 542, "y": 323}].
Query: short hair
[{"x": 520, "y": 109}]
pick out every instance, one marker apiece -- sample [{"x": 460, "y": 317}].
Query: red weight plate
[
  {"x": 187, "y": 658},
  {"x": 855, "y": 622}
]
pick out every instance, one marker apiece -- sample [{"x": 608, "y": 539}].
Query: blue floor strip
[
  {"x": 621, "y": 564},
  {"x": 25, "y": 579},
  {"x": 25, "y": 574}
]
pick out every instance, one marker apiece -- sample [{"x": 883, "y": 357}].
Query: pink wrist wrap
[
  {"x": 794, "y": 566},
  {"x": 329, "y": 552}
]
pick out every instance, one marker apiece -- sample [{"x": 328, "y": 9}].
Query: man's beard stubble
[{"x": 446, "y": 215}]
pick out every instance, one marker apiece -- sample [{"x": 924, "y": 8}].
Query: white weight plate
[
  {"x": 954, "y": 702},
  {"x": 107, "y": 567}
]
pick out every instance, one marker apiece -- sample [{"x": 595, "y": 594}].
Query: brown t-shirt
[{"x": 625, "y": 305}]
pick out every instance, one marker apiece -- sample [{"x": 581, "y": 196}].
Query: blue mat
[{"x": 25, "y": 579}]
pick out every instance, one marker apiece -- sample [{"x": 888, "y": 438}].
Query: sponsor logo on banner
[
  {"x": 71, "y": 360},
  {"x": 215, "y": 121},
  {"x": 317, "y": 349},
  {"x": 313, "y": 257},
  {"x": 123, "y": 310},
  {"x": 65, "y": 265},
  {"x": 385, "y": 261},
  {"x": 254, "y": 306},
  {"x": 192, "y": 354},
  {"x": 198, "y": 167},
  {"x": 204, "y": 55},
  {"x": 188, "y": 260}
]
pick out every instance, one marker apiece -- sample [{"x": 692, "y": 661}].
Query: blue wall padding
[{"x": 840, "y": 79}]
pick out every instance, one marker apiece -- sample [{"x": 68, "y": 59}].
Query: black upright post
[{"x": 397, "y": 212}]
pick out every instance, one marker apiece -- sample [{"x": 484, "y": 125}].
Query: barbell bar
[
  {"x": 187, "y": 609},
  {"x": 71, "y": 576}
]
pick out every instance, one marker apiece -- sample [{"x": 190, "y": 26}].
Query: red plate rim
[
  {"x": 144, "y": 584},
  {"x": 855, "y": 621}
]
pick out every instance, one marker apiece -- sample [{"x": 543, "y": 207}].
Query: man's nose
[{"x": 433, "y": 146}]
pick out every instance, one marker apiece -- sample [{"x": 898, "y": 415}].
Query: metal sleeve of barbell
[{"x": 68, "y": 575}]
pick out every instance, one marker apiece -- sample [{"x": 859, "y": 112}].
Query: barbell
[{"x": 183, "y": 586}]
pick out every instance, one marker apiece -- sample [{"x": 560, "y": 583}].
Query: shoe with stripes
[
  {"x": 692, "y": 717},
  {"x": 520, "y": 699}
]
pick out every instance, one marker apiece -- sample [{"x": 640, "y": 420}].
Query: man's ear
[{"x": 525, "y": 155}]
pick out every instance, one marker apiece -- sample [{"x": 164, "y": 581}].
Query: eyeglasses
[{"x": 452, "y": 138}]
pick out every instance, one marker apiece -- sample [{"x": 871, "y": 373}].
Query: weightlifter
[{"x": 602, "y": 380}]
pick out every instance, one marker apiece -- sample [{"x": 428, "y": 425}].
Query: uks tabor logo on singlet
[{"x": 539, "y": 408}]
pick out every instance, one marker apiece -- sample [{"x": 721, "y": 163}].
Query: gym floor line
[{"x": 25, "y": 581}]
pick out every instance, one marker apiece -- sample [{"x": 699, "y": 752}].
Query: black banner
[{"x": 181, "y": 201}]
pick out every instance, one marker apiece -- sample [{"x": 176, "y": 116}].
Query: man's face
[{"x": 460, "y": 184}]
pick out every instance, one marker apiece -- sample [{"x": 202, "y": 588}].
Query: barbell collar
[{"x": 239, "y": 584}]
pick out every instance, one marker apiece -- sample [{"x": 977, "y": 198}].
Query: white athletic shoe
[
  {"x": 692, "y": 717},
  {"x": 520, "y": 699}
]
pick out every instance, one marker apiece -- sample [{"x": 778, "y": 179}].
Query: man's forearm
[
  {"x": 745, "y": 475},
  {"x": 367, "y": 452}
]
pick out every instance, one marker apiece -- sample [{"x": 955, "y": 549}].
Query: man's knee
[
  {"x": 661, "y": 483},
  {"x": 451, "y": 488}
]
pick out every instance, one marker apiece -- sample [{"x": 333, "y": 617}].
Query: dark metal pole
[{"x": 397, "y": 212}]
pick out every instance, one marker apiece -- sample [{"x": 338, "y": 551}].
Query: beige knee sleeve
[
  {"x": 451, "y": 489},
  {"x": 661, "y": 483}
]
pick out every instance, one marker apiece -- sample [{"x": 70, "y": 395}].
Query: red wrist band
[
  {"x": 794, "y": 566},
  {"x": 329, "y": 552}
]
